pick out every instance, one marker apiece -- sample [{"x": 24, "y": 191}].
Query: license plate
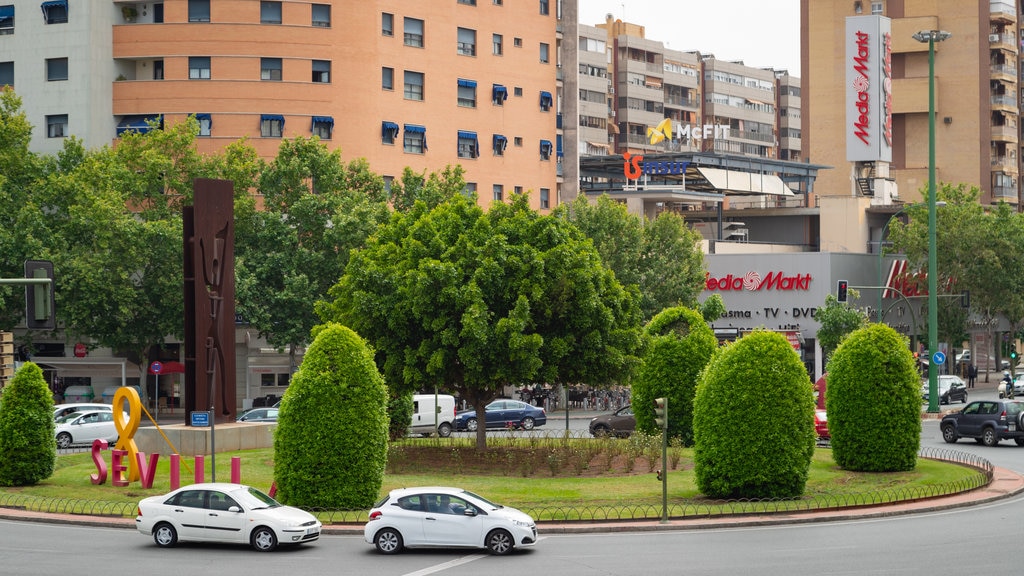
[
  {"x": 312, "y": 531},
  {"x": 1011, "y": 426}
]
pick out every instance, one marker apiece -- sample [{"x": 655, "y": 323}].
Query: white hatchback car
[
  {"x": 224, "y": 512},
  {"x": 441, "y": 517},
  {"x": 84, "y": 427},
  {"x": 62, "y": 410}
]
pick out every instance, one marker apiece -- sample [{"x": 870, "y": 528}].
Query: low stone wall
[{"x": 193, "y": 441}]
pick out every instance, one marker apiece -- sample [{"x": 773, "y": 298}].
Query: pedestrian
[{"x": 972, "y": 375}]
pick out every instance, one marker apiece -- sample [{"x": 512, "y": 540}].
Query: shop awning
[
  {"x": 732, "y": 181},
  {"x": 138, "y": 123}
]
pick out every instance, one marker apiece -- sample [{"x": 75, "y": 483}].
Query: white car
[
  {"x": 84, "y": 427},
  {"x": 224, "y": 512},
  {"x": 61, "y": 410},
  {"x": 441, "y": 517}
]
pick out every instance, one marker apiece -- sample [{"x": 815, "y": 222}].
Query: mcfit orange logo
[
  {"x": 663, "y": 131},
  {"x": 631, "y": 166}
]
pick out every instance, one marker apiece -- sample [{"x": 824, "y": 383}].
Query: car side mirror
[
  {"x": 234, "y": 509},
  {"x": 470, "y": 512}
]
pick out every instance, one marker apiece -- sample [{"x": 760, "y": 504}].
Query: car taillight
[
  {"x": 375, "y": 514},
  {"x": 138, "y": 511}
]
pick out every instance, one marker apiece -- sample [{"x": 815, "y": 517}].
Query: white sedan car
[
  {"x": 84, "y": 427},
  {"x": 223, "y": 512},
  {"x": 438, "y": 517}
]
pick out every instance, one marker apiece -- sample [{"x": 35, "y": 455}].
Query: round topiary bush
[
  {"x": 399, "y": 415},
  {"x": 680, "y": 345},
  {"x": 874, "y": 402},
  {"x": 753, "y": 420},
  {"x": 330, "y": 443},
  {"x": 28, "y": 449}
]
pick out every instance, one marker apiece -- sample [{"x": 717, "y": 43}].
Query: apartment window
[
  {"x": 469, "y": 190},
  {"x": 414, "y": 32},
  {"x": 499, "y": 193},
  {"x": 467, "y": 93},
  {"x": 545, "y": 198},
  {"x": 876, "y": 8},
  {"x": 498, "y": 144},
  {"x": 57, "y": 126},
  {"x": 387, "y": 24},
  {"x": 413, "y": 85},
  {"x": 198, "y": 67},
  {"x": 205, "y": 124},
  {"x": 198, "y": 10},
  {"x": 496, "y": 2},
  {"x": 321, "y": 71},
  {"x": 56, "y": 69},
  {"x": 469, "y": 146},
  {"x": 55, "y": 12},
  {"x": 388, "y": 181},
  {"x": 468, "y": 2},
  {"x": 6, "y": 74},
  {"x": 270, "y": 12},
  {"x": 517, "y": 42},
  {"x": 544, "y": 58},
  {"x": 388, "y": 132},
  {"x": 518, "y": 141},
  {"x": 498, "y": 95},
  {"x": 545, "y": 149},
  {"x": 414, "y": 139},
  {"x": 158, "y": 13},
  {"x": 517, "y": 189},
  {"x": 322, "y": 127},
  {"x": 7, "y": 19},
  {"x": 270, "y": 69},
  {"x": 467, "y": 42},
  {"x": 518, "y": 91},
  {"x": 544, "y": 8},
  {"x": 496, "y": 47},
  {"x": 545, "y": 101},
  {"x": 321, "y": 15},
  {"x": 271, "y": 125},
  {"x": 387, "y": 78}
]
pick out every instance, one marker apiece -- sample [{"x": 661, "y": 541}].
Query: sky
[{"x": 761, "y": 33}]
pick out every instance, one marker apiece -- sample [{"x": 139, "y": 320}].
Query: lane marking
[{"x": 446, "y": 565}]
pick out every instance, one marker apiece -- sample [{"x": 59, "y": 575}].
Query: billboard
[{"x": 868, "y": 65}]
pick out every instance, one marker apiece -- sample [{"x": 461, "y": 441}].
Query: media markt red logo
[{"x": 753, "y": 282}]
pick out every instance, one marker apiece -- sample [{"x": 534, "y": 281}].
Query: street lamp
[
  {"x": 931, "y": 37},
  {"x": 881, "y": 252}
]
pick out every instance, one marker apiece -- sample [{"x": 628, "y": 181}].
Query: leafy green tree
[
  {"x": 753, "y": 420},
  {"x": 712, "y": 308},
  {"x": 28, "y": 451},
  {"x": 874, "y": 402},
  {"x": 838, "y": 320},
  {"x": 330, "y": 444},
  {"x": 432, "y": 189},
  {"x": 459, "y": 299},
  {"x": 680, "y": 345}
]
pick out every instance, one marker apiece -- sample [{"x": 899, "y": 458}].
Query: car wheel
[
  {"x": 444, "y": 430},
  {"x": 989, "y": 437},
  {"x": 600, "y": 431},
  {"x": 527, "y": 423},
  {"x": 165, "y": 535},
  {"x": 388, "y": 541},
  {"x": 944, "y": 400},
  {"x": 1019, "y": 441},
  {"x": 471, "y": 424},
  {"x": 949, "y": 434},
  {"x": 263, "y": 539},
  {"x": 963, "y": 400},
  {"x": 500, "y": 542},
  {"x": 63, "y": 440}
]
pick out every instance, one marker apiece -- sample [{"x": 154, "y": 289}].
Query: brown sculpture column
[{"x": 209, "y": 266}]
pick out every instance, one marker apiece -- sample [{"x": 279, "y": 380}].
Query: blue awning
[
  {"x": 272, "y": 117},
  {"x": 468, "y": 135},
  {"x": 139, "y": 123},
  {"x": 467, "y": 83},
  {"x": 545, "y": 99},
  {"x": 206, "y": 117},
  {"x": 389, "y": 129},
  {"x": 499, "y": 93},
  {"x": 500, "y": 142},
  {"x": 6, "y": 12},
  {"x": 54, "y": 4},
  {"x": 415, "y": 128},
  {"x": 322, "y": 120},
  {"x": 545, "y": 147}
]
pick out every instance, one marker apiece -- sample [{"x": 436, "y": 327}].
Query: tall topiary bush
[
  {"x": 28, "y": 450},
  {"x": 399, "y": 415},
  {"x": 753, "y": 420},
  {"x": 330, "y": 444},
  {"x": 874, "y": 402},
  {"x": 680, "y": 343}
]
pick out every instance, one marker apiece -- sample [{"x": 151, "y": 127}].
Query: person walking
[{"x": 972, "y": 375}]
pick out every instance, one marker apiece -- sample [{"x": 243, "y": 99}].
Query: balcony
[
  {"x": 1005, "y": 193},
  {"x": 1003, "y": 41},
  {"x": 1004, "y": 133},
  {"x": 1007, "y": 72},
  {"x": 1005, "y": 102},
  {"x": 1005, "y": 163},
  {"x": 999, "y": 11}
]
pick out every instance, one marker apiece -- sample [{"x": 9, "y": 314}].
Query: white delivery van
[{"x": 426, "y": 413}]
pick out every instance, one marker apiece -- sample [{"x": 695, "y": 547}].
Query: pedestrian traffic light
[
  {"x": 841, "y": 291},
  {"x": 39, "y": 301},
  {"x": 1013, "y": 352},
  {"x": 661, "y": 413}
]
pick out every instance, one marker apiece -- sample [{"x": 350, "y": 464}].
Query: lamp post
[
  {"x": 931, "y": 37},
  {"x": 881, "y": 252}
]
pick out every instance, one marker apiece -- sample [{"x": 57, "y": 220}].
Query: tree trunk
[{"x": 479, "y": 404}]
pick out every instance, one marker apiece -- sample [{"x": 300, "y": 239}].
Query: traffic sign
[
  {"x": 939, "y": 357},
  {"x": 156, "y": 367},
  {"x": 200, "y": 418}
]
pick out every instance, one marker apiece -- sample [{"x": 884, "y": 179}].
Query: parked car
[
  {"x": 61, "y": 410},
  {"x": 1018, "y": 386},
  {"x": 84, "y": 427},
  {"x": 950, "y": 388},
  {"x": 430, "y": 410},
  {"x": 620, "y": 423},
  {"x": 223, "y": 512},
  {"x": 503, "y": 413},
  {"x": 987, "y": 421},
  {"x": 258, "y": 415},
  {"x": 441, "y": 517},
  {"x": 821, "y": 425}
]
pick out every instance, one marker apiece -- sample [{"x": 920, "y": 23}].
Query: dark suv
[{"x": 987, "y": 421}]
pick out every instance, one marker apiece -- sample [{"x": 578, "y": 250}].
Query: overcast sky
[{"x": 761, "y": 33}]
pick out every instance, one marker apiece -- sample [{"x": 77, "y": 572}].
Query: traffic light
[
  {"x": 1013, "y": 353},
  {"x": 841, "y": 290},
  {"x": 39, "y": 301},
  {"x": 661, "y": 413}
]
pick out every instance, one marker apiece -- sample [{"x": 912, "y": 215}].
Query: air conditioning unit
[
  {"x": 611, "y": 89},
  {"x": 993, "y": 37}
]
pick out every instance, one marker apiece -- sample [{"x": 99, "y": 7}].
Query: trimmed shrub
[
  {"x": 399, "y": 416},
  {"x": 679, "y": 346},
  {"x": 330, "y": 443},
  {"x": 753, "y": 420},
  {"x": 28, "y": 450},
  {"x": 874, "y": 402}
]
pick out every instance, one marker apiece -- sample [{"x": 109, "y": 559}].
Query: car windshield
[
  {"x": 254, "y": 499},
  {"x": 1013, "y": 408},
  {"x": 482, "y": 500}
]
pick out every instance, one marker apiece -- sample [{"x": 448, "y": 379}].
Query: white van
[{"x": 426, "y": 414}]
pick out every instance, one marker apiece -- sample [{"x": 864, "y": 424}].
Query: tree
[
  {"x": 874, "y": 402},
  {"x": 753, "y": 420},
  {"x": 837, "y": 319},
  {"x": 457, "y": 298},
  {"x": 330, "y": 444},
  {"x": 28, "y": 451},
  {"x": 432, "y": 190}
]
